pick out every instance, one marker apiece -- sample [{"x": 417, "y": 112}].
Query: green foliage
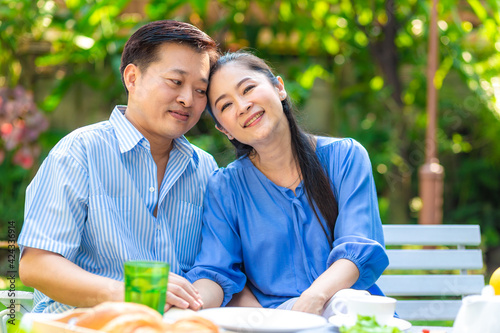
[{"x": 374, "y": 58}]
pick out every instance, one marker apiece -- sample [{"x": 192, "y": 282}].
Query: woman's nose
[{"x": 245, "y": 106}]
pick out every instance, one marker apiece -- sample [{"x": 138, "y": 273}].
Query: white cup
[{"x": 380, "y": 307}]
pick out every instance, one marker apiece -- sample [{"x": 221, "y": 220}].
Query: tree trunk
[{"x": 399, "y": 177}]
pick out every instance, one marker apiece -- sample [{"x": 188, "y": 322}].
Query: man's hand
[{"x": 182, "y": 294}]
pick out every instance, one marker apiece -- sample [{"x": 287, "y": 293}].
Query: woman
[{"x": 295, "y": 217}]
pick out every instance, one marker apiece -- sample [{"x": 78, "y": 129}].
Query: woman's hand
[
  {"x": 310, "y": 302},
  {"x": 341, "y": 274},
  {"x": 182, "y": 294}
]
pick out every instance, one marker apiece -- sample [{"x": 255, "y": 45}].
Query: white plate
[
  {"x": 343, "y": 320},
  {"x": 241, "y": 319}
]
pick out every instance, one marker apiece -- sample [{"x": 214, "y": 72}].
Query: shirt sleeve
[
  {"x": 220, "y": 257},
  {"x": 358, "y": 229},
  {"x": 56, "y": 206}
]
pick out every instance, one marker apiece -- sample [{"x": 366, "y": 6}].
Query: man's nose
[{"x": 185, "y": 97}]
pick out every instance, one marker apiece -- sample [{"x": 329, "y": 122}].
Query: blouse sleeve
[
  {"x": 220, "y": 257},
  {"x": 358, "y": 229}
]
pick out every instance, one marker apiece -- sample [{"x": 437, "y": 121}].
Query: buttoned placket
[
  {"x": 152, "y": 197},
  {"x": 177, "y": 164}
]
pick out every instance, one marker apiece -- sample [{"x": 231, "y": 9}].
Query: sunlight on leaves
[
  {"x": 365, "y": 16},
  {"x": 478, "y": 9},
  {"x": 404, "y": 40},
  {"x": 285, "y": 11},
  {"x": 417, "y": 27},
  {"x": 442, "y": 71},
  {"x": 467, "y": 26},
  {"x": 84, "y": 42},
  {"x": 360, "y": 38},
  {"x": 103, "y": 13},
  {"x": 377, "y": 83},
  {"x": 320, "y": 9},
  {"x": 331, "y": 44},
  {"x": 73, "y": 4},
  {"x": 306, "y": 80}
]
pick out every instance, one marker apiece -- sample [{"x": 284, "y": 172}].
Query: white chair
[
  {"x": 430, "y": 269},
  {"x": 19, "y": 302}
]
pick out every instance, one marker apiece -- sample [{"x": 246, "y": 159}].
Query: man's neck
[{"x": 160, "y": 149}]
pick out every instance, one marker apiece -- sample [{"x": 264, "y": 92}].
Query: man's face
[{"x": 168, "y": 97}]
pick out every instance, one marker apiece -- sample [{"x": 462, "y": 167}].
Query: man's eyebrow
[
  {"x": 237, "y": 86},
  {"x": 178, "y": 70},
  {"x": 183, "y": 72}
]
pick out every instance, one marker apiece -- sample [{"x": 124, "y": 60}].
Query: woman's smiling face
[{"x": 246, "y": 104}]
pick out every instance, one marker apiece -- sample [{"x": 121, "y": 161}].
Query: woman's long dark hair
[{"x": 316, "y": 182}]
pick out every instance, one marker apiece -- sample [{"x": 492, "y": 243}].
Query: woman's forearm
[
  {"x": 245, "y": 298},
  {"x": 211, "y": 293},
  {"x": 341, "y": 274}
]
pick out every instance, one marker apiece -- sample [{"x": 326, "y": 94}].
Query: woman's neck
[{"x": 276, "y": 161}]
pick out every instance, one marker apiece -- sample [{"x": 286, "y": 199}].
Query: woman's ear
[
  {"x": 281, "y": 88},
  {"x": 223, "y": 130}
]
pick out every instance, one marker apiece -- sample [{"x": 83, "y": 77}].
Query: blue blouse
[{"x": 254, "y": 229}]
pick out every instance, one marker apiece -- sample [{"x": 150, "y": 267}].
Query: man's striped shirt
[{"x": 92, "y": 201}]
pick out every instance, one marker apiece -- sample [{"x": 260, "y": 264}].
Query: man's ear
[
  {"x": 130, "y": 75},
  {"x": 281, "y": 88},
  {"x": 223, "y": 130}
]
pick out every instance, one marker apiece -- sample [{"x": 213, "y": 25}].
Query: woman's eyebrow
[{"x": 237, "y": 86}]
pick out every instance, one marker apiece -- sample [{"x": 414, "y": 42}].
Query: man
[{"x": 130, "y": 188}]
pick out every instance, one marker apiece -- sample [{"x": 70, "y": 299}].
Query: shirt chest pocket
[{"x": 185, "y": 228}]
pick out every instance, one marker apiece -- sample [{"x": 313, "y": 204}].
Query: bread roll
[
  {"x": 104, "y": 313},
  {"x": 122, "y": 317},
  {"x": 192, "y": 324},
  {"x": 134, "y": 323},
  {"x": 72, "y": 315}
]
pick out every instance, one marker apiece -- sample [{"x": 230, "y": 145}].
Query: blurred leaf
[
  {"x": 478, "y": 9},
  {"x": 200, "y": 6},
  {"x": 285, "y": 11}
]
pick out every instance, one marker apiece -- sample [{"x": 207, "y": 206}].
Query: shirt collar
[
  {"x": 128, "y": 136},
  {"x": 185, "y": 147}
]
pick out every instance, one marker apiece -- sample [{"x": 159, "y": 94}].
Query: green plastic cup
[{"x": 146, "y": 283}]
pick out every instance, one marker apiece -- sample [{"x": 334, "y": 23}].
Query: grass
[{"x": 442, "y": 323}]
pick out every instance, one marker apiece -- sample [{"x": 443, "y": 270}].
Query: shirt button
[
  {"x": 158, "y": 227},
  {"x": 151, "y": 189}
]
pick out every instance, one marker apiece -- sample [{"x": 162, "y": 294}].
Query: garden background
[{"x": 353, "y": 68}]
